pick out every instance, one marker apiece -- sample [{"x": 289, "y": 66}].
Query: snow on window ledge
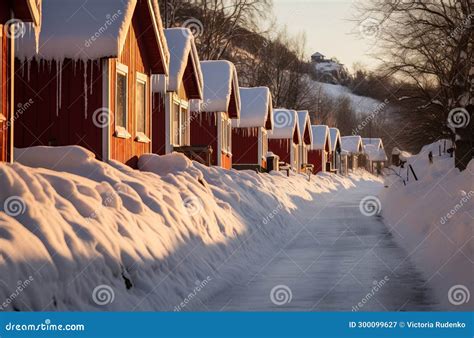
[
  {"x": 2, "y": 118},
  {"x": 121, "y": 132},
  {"x": 142, "y": 138}
]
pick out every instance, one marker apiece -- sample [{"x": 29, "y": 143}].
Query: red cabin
[
  {"x": 285, "y": 138},
  {"x": 13, "y": 15},
  {"x": 250, "y": 132},
  {"x": 212, "y": 124},
  {"x": 171, "y": 114},
  {"x": 306, "y": 135},
  {"x": 91, "y": 84},
  {"x": 320, "y": 149}
]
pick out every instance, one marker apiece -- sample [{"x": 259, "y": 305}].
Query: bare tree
[{"x": 430, "y": 44}]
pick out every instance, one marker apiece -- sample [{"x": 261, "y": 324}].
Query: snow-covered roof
[
  {"x": 182, "y": 49},
  {"x": 256, "y": 108},
  {"x": 220, "y": 84},
  {"x": 375, "y": 141},
  {"x": 285, "y": 125},
  {"x": 304, "y": 126},
  {"x": 90, "y": 30},
  {"x": 374, "y": 153},
  {"x": 351, "y": 144},
  {"x": 320, "y": 137},
  {"x": 335, "y": 137}
]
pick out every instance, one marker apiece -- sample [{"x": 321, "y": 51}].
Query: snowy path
[{"x": 332, "y": 261}]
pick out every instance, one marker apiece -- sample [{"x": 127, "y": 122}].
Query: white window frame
[
  {"x": 3, "y": 117},
  {"x": 142, "y": 136},
  {"x": 182, "y": 104},
  {"x": 120, "y": 131}
]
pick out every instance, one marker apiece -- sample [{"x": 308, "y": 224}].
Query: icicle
[
  {"x": 60, "y": 82},
  {"x": 85, "y": 89},
  {"x": 92, "y": 76},
  {"x": 57, "y": 88},
  {"x": 28, "y": 68}
]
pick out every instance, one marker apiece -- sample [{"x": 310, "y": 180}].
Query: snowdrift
[
  {"x": 80, "y": 234},
  {"x": 433, "y": 219}
]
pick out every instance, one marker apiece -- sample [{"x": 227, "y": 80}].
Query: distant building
[
  {"x": 317, "y": 57},
  {"x": 328, "y": 70}
]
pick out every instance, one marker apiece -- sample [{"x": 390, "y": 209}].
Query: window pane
[
  {"x": 141, "y": 107},
  {"x": 183, "y": 126},
  {"x": 175, "y": 131},
  {"x": 121, "y": 97}
]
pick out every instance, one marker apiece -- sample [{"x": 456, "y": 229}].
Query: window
[
  {"x": 179, "y": 122},
  {"x": 121, "y": 102},
  {"x": 141, "y": 108},
  {"x": 226, "y": 127}
]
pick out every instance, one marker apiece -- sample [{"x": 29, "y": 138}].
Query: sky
[{"x": 328, "y": 28}]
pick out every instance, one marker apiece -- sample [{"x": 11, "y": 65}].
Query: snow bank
[
  {"x": 94, "y": 236},
  {"x": 433, "y": 219}
]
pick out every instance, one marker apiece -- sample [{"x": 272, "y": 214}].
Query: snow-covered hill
[
  {"x": 80, "y": 234},
  {"x": 433, "y": 219}
]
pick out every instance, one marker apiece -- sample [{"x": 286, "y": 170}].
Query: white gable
[
  {"x": 334, "y": 135},
  {"x": 304, "y": 123}
]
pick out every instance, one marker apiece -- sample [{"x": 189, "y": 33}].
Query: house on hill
[
  {"x": 91, "y": 85},
  {"x": 212, "y": 127},
  {"x": 13, "y": 18},
  {"x": 335, "y": 154},
  {"x": 250, "y": 132},
  {"x": 320, "y": 149},
  {"x": 353, "y": 148},
  {"x": 306, "y": 137},
  {"x": 171, "y": 118},
  {"x": 285, "y": 138}
]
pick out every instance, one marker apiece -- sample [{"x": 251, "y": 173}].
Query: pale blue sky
[{"x": 328, "y": 28}]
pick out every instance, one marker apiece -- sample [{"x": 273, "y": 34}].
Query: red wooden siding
[
  {"x": 245, "y": 146},
  {"x": 204, "y": 133},
  {"x": 44, "y": 123},
  {"x": 158, "y": 124},
  {"x": 282, "y": 148},
  {"x": 134, "y": 56},
  {"x": 317, "y": 158}
]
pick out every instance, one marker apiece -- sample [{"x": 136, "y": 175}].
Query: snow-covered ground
[
  {"x": 433, "y": 219},
  {"x": 79, "y": 234}
]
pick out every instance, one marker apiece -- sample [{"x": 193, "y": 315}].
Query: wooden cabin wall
[
  {"x": 134, "y": 56},
  {"x": 39, "y": 118},
  {"x": 158, "y": 128},
  {"x": 282, "y": 148},
  {"x": 245, "y": 146},
  {"x": 317, "y": 158},
  {"x": 204, "y": 133}
]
